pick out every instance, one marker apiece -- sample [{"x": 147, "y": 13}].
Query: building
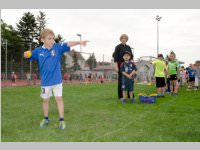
[
  {"x": 145, "y": 70},
  {"x": 81, "y": 61},
  {"x": 107, "y": 69}
]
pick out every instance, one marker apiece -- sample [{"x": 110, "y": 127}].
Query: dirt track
[{"x": 9, "y": 83}]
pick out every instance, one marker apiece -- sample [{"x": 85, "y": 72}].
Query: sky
[{"x": 179, "y": 29}]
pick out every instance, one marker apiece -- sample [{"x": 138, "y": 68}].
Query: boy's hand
[
  {"x": 27, "y": 54},
  {"x": 84, "y": 43},
  {"x": 129, "y": 76}
]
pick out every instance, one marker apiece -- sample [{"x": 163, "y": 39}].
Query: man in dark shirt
[{"x": 118, "y": 60}]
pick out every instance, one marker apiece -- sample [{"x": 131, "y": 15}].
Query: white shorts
[
  {"x": 46, "y": 91},
  {"x": 196, "y": 81}
]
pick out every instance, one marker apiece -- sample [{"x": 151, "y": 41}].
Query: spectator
[{"x": 34, "y": 78}]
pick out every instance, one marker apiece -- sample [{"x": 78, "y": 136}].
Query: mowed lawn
[{"x": 93, "y": 114}]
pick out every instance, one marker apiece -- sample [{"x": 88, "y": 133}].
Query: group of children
[
  {"x": 165, "y": 71},
  {"x": 48, "y": 57},
  {"x": 192, "y": 75},
  {"x": 169, "y": 71}
]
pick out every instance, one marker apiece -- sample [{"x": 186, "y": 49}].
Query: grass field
[{"x": 93, "y": 114}]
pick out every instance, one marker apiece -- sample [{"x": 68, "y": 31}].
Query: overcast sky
[{"x": 179, "y": 29}]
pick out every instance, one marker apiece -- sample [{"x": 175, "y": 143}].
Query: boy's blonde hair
[
  {"x": 124, "y": 36},
  {"x": 172, "y": 53},
  {"x": 45, "y": 32},
  {"x": 197, "y": 62}
]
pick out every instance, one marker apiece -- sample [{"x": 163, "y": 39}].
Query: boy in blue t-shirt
[
  {"x": 128, "y": 70},
  {"x": 48, "y": 57},
  {"x": 191, "y": 75}
]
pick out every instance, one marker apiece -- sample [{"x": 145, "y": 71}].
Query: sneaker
[
  {"x": 124, "y": 101},
  {"x": 132, "y": 100},
  {"x": 121, "y": 99},
  {"x": 159, "y": 96},
  {"x": 62, "y": 125},
  {"x": 44, "y": 123},
  {"x": 162, "y": 95},
  {"x": 175, "y": 94},
  {"x": 171, "y": 93}
]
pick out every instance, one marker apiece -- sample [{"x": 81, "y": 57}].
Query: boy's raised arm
[{"x": 74, "y": 43}]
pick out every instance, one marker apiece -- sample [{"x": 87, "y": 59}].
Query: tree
[
  {"x": 27, "y": 30},
  {"x": 10, "y": 37},
  {"x": 76, "y": 66},
  {"x": 42, "y": 21},
  {"x": 59, "y": 39},
  {"x": 91, "y": 61}
]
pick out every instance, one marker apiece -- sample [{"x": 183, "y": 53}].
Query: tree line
[{"x": 26, "y": 37}]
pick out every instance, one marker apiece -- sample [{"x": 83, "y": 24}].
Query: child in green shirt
[
  {"x": 173, "y": 71},
  {"x": 160, "y": 73}
]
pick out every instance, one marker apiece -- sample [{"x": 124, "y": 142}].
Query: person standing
[
  {"x": 197, "y": 75},
  {"x": 160, "y": 74},
  {"x": 13, "y": 77},
  {"x": 173, "y": 72},
  {"x": 118, "y": 60},
  {"x": 34, "y": 78},
  {"x": 48, "y": 57},
  {"x": 128, "y": 70}
]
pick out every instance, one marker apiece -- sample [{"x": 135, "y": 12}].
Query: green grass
[{"x": 93, "y": 113}]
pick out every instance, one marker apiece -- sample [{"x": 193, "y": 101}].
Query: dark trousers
[{"x": 120, "y": 95}]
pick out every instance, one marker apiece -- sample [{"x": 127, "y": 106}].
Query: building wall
[
  {"x": 145, "y": 71},
  {"x": 69, "y": 63}
]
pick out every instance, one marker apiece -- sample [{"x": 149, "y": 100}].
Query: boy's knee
[
  {"x": 59, "y": 99},
  {"x": 45, "y": 100}
]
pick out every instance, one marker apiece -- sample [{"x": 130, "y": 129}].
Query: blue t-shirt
[
  {"x": 49, "y": 63},
  {"x": 128, "y": 68},
  {"x": 191, "y": 73}
]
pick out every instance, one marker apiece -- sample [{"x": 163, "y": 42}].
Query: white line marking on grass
[{"x": 112, "y": 132}]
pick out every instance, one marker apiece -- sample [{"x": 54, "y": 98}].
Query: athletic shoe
[
  {"x": 124, "y": 101},
  {"x": 175, "y": 94},
  {"x": 121, "y": 99},
  {"x": 162, "y": 95},
  {"x": 44, "y": 123},
  {"x": 132, "y": 100},
  {"x": 62, "y": 125}
]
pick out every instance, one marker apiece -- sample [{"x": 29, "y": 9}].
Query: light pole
[
  {"x": 30, "y": 62},
  {"x": 6, "y": 64},
  {"x": 158, "y": 18},
  {"x": 80, "y": 41}
]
